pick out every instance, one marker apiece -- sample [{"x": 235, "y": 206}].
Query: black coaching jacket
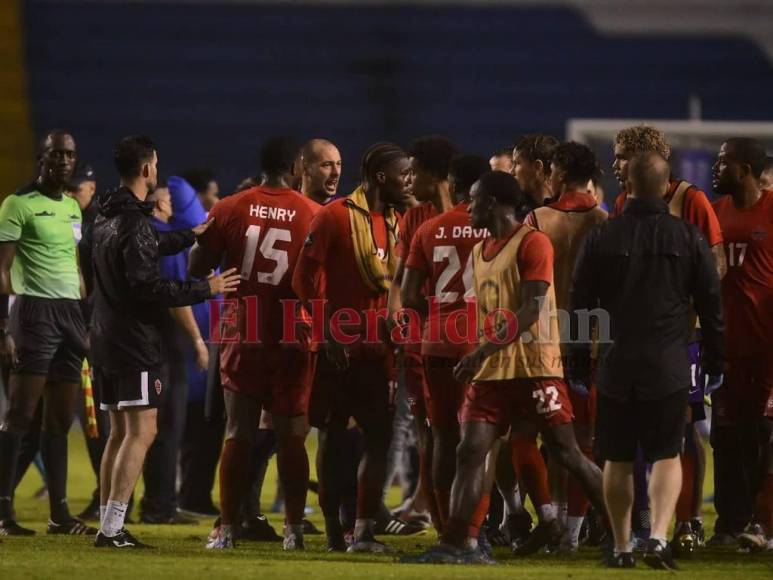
[
  {"x": 130, "y": 297},
  {"x": 645, "y": 268}
]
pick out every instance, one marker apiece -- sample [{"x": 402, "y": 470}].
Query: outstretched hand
[
  {"x": 201, "y": 228},
  {"x": 224, "y": 282}
]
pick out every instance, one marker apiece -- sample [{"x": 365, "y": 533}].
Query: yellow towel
[{"x": 376, "y": 273}]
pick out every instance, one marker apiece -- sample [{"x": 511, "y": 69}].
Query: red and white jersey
[
  {"x": 747, "y": 288},
  {"x": 441, "y": 249},
  {"x": 260, "y": 231}
]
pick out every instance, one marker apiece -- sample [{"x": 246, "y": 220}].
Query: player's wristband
[{"x": 4, "y": 306}]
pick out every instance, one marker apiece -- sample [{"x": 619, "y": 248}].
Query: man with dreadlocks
[{"x": 352, "y": 245}]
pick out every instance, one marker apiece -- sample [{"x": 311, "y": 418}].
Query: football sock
[
  {"x": 363, "y": 529},
  {"x": 684, "y": 505},
  {"x": 479, "y": 516},
  {"x": 531, "y": 470},
  {"x": 53, "y": 450},
  {"x": 293, "y": 465},
  {"x": 573, "y": 527},
  {"x": 10, "y": 443},
  {"x": 546, "y": 512},
  {"x": 115, "y": 513},
  {"x": 764, "y": 508},
  {"x": 561, "y": 513},
  {"x": 234, "y": 471},
  {"x": 661, "y": 541}
]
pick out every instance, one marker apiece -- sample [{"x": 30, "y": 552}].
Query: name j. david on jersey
[{"x": 460, "y": 232}]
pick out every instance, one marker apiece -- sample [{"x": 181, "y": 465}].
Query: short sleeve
[
  {"x": 321, "y": 233},
  {"x": 12, "y": 218},
  {"x": 535, "y": 258},
  {"x": 417, "y": 259},
  {"x": 214, "y": 238},
  {"x": 698, "y": 211}
]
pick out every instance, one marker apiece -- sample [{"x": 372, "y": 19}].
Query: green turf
[{"x": 179, "y": 551}]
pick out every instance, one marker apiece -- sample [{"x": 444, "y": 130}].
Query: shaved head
[
  {"x": 648, "y": 175},
  {"x": 321, "y": 163}
]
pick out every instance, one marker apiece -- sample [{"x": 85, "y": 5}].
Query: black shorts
[
  {"x": 657, "y": 426},
  {"x": 122, "y": 390},
  {"x": 50, "y": 337}
]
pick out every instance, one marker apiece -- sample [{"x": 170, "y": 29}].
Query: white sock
[
  {"x": 661, "y": 541},
  {"x": 363, "y": 527},
  {"x": 226, "y": 530},
  {"x": 102, "y": 510},
  {"x": 573, "y": 527},
  {"x": 115, "y": 512},
  {"x": 547, "y": 512},
  {"x": 562, "y": 512}
]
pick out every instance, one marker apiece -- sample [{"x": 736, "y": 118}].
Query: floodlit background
[{"x": 209, "y": 79}]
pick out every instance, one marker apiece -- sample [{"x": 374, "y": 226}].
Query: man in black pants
[
  {"x": 643, "y": 268},
  {"x": 129, "y": 302},
  {"x": 45, "y": 342}
]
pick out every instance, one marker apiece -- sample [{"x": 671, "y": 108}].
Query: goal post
[{"x": 694, "y": 144}]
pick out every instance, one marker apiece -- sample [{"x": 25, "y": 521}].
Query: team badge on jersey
[{"x": 158, "y": 386}]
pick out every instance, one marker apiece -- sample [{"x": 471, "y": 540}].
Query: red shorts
[
  {"x": 415, "y": 384},
  {"x": 544, "y": 401},
  {"x": 446, "y": 394},
  {"x": 746, "y": 393},
  {"x": 584, "y": 406},
  {"x": 280, "y": 378},
  {"x": 362, "y": 391}
]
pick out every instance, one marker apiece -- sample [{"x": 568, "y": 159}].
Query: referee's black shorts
[
  {"x": 50, "y": 337},
  {"x": 657, "y": 426}
]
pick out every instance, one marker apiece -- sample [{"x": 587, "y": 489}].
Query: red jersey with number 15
[
  {"x": 260, "y": 231},
  {"x": 747, "y": 288},
  {"x": 441, "y": 249}
]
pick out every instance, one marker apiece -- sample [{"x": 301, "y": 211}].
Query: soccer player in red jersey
[
  {"x": 531, "y": 168},
  {"x": 690, "y": 203},
  {"x": 321, "y": 166},
  {"x": 352, "y": 243},
  {"x": 438, "y": 269},
  {"x": 742, "y": 424},
  {"x": 430, "y": 161},
  {"x": 512, "y": 373},
  {"x": 566, "y": 221},
  {"x": 261, "y": 231}
]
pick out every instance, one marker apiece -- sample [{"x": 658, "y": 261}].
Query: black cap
[{"x": 83, "y": 172}]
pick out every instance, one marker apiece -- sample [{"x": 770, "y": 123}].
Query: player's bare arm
[
  {"x": 532, "y": 291},
  {"x": 7, "y": 346},
  {"x": 411, "y": 290}
]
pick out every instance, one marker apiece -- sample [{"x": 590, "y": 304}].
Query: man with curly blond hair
[{"x": 688, "y": 202}]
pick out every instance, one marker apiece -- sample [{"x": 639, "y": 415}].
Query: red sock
[
  {"x": 765, "y": 504},
  {"x": 234, "y": 475},
  {"x": 479, "y": 516},
  {"x": 293, "y": 465},
  {"x": 531, "y": 470},
  {"x": 443, "y": 503},
  {"x": 577, "y": 501},
  {"x": 684, "y": 505}
]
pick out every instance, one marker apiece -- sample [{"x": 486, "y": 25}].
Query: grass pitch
[{"x": 179, "y": 551}]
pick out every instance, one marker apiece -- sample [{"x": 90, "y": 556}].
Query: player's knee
[{"x": 470, "y": 452}]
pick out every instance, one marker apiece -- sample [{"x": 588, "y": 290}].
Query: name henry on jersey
[
  {"x": 268, "y": 212},
  {"x": 461, "y": 232}
]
